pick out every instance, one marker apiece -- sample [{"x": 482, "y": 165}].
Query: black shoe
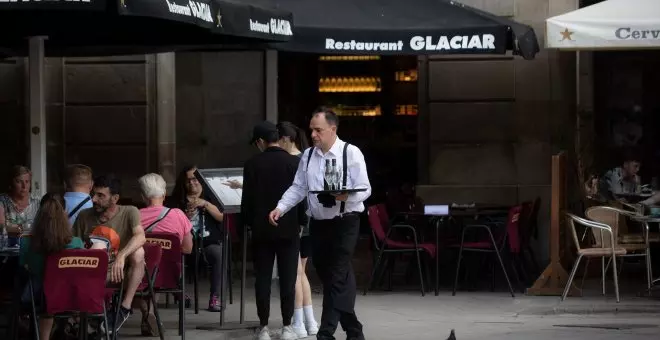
[{"x": 124, "y": 314}]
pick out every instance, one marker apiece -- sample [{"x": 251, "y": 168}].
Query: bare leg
[
  {"x": 299, "y": 285},
  {"x": 306, "y": 289},
  {"x": 134, "y": 277},
  {"x": 308, "y": 311},
  {"x": 45, "y": 326}
]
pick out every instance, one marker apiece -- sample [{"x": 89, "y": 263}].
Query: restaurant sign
[
  {"x": 483, "y": 42},
  {"x": 272, "y": 26},
  {"x": 194, "y": 9}
]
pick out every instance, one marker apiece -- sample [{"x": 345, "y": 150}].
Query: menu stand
[{"x": 229, "y": 205}]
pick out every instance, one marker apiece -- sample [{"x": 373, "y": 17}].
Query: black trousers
[
  {"x": 264, "y": 251},
  {"x": 333, "y": 245}
]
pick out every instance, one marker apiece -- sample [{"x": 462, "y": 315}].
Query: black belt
[{"x": 344, "y": 215}]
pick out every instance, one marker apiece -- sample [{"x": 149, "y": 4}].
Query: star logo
[
  {"x": 566, "y": 35},
  {"x": 219, "y": 17}
]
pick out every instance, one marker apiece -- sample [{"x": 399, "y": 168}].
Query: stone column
[
  {"x": 166, "y": 116},
  {"x": 270, "y": 62}
]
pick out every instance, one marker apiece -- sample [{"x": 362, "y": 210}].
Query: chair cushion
[
  {"x": 427, "y": 247},
  {"x": 638, "y": 238},
  {"x": 601, "y": 251},
  {"x": 474, "y": 245},
  {"x": 632, "y": 247}
]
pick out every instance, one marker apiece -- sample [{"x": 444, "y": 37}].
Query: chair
[
  {"x": 529, "y": 230},
  {"x": 508, "y": 236},
  {"x": 198, "y": 254},
  {"x": 385, "y": 244},
  {"x": 616, "y": 218},
  {"x": 603, "y": 246},
  {"x": 152, "y": 256},
  {"x": 74, "y": 281},
  {"x": 625, "y": 236},
  {"x": 170, "y": 278}
]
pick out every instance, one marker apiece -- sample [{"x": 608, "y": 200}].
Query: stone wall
[
  {"x": 14, "y": 140},
  {"x": 219, "y": 96},
  {"x": 494, "y": 122},
  {"x": 98, "y": 112}
]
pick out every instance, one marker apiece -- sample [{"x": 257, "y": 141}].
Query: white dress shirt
[{"x": 310, "y": 178}]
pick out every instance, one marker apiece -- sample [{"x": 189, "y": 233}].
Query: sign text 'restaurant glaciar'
[
  {"x": 418, "y": 43},
  {"x": 275, "y": 26},
  {"x": 193, "y": 9}
]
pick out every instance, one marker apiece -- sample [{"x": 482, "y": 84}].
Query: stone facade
[
  {"x": 98, "y": 112},
  {"x": 486, "y": 140},
  {"x": 490, "y": 139},
  {"x": 220, "y": 96}
]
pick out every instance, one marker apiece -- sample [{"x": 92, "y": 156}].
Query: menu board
[{"x": 218, "y": 182}]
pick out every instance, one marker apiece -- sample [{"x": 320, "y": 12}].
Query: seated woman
[
  {"x": 157, "y": 218},
  {"x": 51, "y": 234},
  {"x": 189, "y": 196},
  {"x": 17, "y": 208}
]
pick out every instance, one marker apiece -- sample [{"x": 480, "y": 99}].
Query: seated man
[
  {"x": 125, "y": 220},
  {"x": 157, "y": 218},
  {"x": 79, "y": 187},
  {"x": 621, "y": 180}
]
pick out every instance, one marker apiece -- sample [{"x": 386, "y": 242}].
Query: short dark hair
[
  {"x": 329, "y": 114},
  {"x": 271, "y": 137},
  {"x": 109, "y": 181}
]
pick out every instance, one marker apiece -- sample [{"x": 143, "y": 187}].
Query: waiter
[
  {"x": 266, "y": 176},
  {"x": 335, "y": 220}
]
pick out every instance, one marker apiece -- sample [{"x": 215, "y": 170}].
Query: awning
[
  {"x": 608, "y": 25},
  {"x": 37, "y": 28},
  {"x": 400, "y": 27},
  {"x": 110, "y": 27}
]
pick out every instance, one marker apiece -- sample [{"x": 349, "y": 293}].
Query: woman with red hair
[{"x": 51, "y": 234}]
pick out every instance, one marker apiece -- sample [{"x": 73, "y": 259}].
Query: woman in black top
[
  {"x": 189, "y": 196},
  {"x": 293, "y": 140}
]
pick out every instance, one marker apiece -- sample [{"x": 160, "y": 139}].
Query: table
[
  {"x": 460, "y": 212},
  {"x": 646, "y": 220}
]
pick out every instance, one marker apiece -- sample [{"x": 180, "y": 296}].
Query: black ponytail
[{"x": 297, "y": 135}]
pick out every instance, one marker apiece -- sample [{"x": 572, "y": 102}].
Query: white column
[
  {"x": 37, "y": 116},
  {"x": 166, "y": 116}
]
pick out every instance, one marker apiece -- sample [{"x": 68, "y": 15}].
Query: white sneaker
[
  {"x": 263, "y": 334},
  {"x": 312, "y": 329},
  {"x": 300, "y": 331},
  {"x": 288, "y": 333}
]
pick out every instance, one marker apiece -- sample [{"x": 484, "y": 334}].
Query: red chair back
[
  {"x": 74, "y": 281},
  {"x": 512, "y": 228},
  {"x": 525, "y": 223},
  {"x": 169, "y": 269},
  {"x": 375, "y": 214},
  {"x": 230, "y": 222}
]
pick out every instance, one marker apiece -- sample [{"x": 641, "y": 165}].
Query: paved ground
[{"x": 474, "y": 315}]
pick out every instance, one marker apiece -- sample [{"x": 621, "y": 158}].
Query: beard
[{"x": 100, "y": 208}]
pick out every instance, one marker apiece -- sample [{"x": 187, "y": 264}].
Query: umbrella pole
[{"x": 37, "y": 115}]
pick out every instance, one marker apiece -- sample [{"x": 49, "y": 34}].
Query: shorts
[{"x": 305, "y": 247}]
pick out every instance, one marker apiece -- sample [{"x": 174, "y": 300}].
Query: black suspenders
[
  {"x": 342, "y": 207},
  {"x": 345, "y": 165}
]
